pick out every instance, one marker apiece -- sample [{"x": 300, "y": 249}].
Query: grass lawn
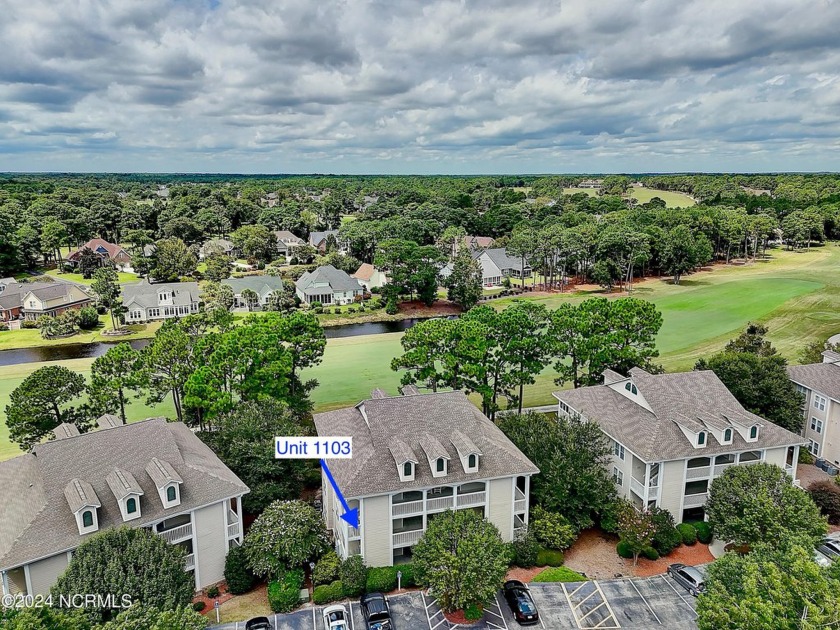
[
  {"x": 123, "y": 277},
  {"x": 31, "y": 337},
  {"x": 643, "y": 195}
]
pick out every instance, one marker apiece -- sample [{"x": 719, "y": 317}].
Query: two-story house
[
  {"x": 262, "y": 286},
  {"x": 105, "y": 251},
  {"x": 217, "y": 246},
  {"x": 328, "y": 285},
  {"x": 496, "y": 265},
  {"x": 672, "y": 434},
  {"x": 153, "y": 474},
  {"x": 370, "y": 277},
  {"x": 287, "y": 243},
  {"x": 415, "y": 456},
  {"x": 320, "y": 240},
  {"x": 820, "y": 384},
  {"x": 51, "y": 298},
  {"x": 145, "y": 302}
]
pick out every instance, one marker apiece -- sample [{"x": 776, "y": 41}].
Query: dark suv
[{"x": 376, "y": 612}]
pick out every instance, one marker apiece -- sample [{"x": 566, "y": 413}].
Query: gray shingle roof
[
  {"x": 432, "y": 447},
  {"x": 162, "y": 472},
  {"x": 409, "y": 419},
  {"x": 79, "y": 494},
  {"x": 337, "y": 279},
  {"x": 685, "y": 398},
  {"x": 261, "y": 285},
  {"x": 108, "y": 421},
  {"x": 35, "y": 521},
  {"x": 122, "y": 483},
  {"x": 821, "y": 377},
  {"x": 65, "y": 430},
  {"x": 501, "y": 259},
  {"x": 145, "y": 294},
  {"x": 316, "y": 237}
]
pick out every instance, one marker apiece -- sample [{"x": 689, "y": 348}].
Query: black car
[
  {"x": 521, "y": 604},
  {"x": 376, "y": 612},
  {"x": 690, "y": 578},
  {"x": 258, "y": 623}
]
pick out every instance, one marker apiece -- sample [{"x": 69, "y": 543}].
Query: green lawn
[
  {"x": 124, "y": 278},
  {"x": 643, "y": 195},
  {"x": 31, "y": 337}
]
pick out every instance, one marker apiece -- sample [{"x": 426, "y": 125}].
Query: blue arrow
[{"x": 351, "y": 516}]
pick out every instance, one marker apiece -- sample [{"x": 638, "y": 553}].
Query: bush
[
  {"x": 559, "y": 574},
  {"x": 284, "y": 594},
  {"x": 526, "y": 549},
  {"x": 381, "y": 580},
  {"x": 704, "y": 531},
  {"x": 353, "y": 574},
  {"x": 623, "y": 550},
  {"x": 315, "y": 304},
  {"x": 4, "y": 326},
  {"x": 510, "y": 554},
  {"x": 213, "y": 592},
  {"x": 805, "y": 457},
  {"x": 317, "y": 310},
  {"x": 666, "y": 538},
  {"x": 407, "y": 580},
  {"x": 199, "y": 606},
  {"x": 326, "y": 569},
  {"x": 550, "y": 558},
  {"x": 473, "y": 613},
  {"x": 550, "y": 529},
  {"x": 88, "y": 318},
  {"x": 826, "y": 495},
  {"x": 688, "y": 533},
  {"x": 327, "y": 593},
  {"x": 351, "y": 309},
  {"x": 609, "y": 517},
  {"x": 650, "y": 553},
  {"x": 237, "y": 575},
  {"x": 28, "y": 324}
]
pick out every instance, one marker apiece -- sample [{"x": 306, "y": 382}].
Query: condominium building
[{"x": 820, "y": 384}]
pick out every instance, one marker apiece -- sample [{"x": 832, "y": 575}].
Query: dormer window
[
  {"x": 408, "y": 469},
  {"x": 440, "y": 465},
  {"x": 472, "y": 461},
  {"x": 727, "y": 436},
  {"x": 467, "y": 451},
  {"x": 171, "y": 494},
  {"x": 87, "y": 519},
  {"x": 404, "y": 458},
  {"x": 83, "y": 502},
  {"x": 701, "y": 438},
  {"x": 631, "y": 388},
  {"x": 754, "y": 432},
  {"x": 131, "y": 505},
  {"x": 167, "y": 481},
  {"x": 126, "y": 491}
]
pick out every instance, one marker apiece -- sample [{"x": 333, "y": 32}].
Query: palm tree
[{"x": 251, "y": 298}]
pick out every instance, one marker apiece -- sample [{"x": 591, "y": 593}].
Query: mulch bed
[
  {"x": 224, "y": 596},
  {"x": 458, "y": 618}
]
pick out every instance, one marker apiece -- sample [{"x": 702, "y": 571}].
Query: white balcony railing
[
  {"x": 189, "y": 562},
  {"x": 695, "y": 500},
  {"x": 439, "y": 504},
  {"x": 518, "y": 501},
  {"x": 177, "y": 534},
  {"x": 406, "y": 539},
  {"x": 637, "y": 487},
  {"x": 719, "y": 468},
  {"x": 473, "y": 498},
  {"x": 789, "y": 469},
  {"x": 698, "y": 473},
  {"x": 407, "y": 509}
]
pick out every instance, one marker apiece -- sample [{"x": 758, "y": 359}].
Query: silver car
[
  {"x": 690, "y": 578},
  {"x": 830, "y": 547}
]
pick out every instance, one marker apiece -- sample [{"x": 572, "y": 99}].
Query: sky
[{"x": 408, "y": 86}]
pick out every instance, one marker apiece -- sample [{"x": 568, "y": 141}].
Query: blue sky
[{"x": 405, "y": 86}]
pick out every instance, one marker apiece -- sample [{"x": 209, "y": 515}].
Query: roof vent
[
  {"x": 409, "y": 390},
  {"x": 109, "y": 421},
  {"x": 65, "y": 430},
  {"x": 378, "y": 393}
]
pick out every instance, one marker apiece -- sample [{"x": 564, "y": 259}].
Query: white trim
[
  {"x": 28, "y": 579},
  {"x": 194, "y": 540}
]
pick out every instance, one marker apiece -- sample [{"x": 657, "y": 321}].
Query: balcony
[
  {"x": 789, "y": 469},
  {"x": 406, "y": 539},
  {"x": 438, "y": 504},
  {"x": 719, "y": 468},
  {"x": 698, "y": 473},
  {"x": 409, "y": 508},
  {"x": 233, "y": 528},
  {"x": 177, "y": 534},
  {"x": 350, "y": 533},
  {"x": 518, "y": 501},
  {"x": 695, "y": 500},
  {"x": 473, "y": 498},
  {"x": 189, "y": 562},
  {"x": 518, "y": 524}
]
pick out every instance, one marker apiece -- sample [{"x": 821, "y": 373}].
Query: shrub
[
  {"x": 327, "y": 593},
  {"x": 623, "y": 550},
  {"x": 199, "y": 606},
  {"x": 666, "y": 538},
  {"x": 317, "y": 310},
  {"x": 805, "y": 457},
  {"x": 526, "y": 549},
  {"x": 509, "y": 554},
  {"x": 559, "y": 574},
  {"x": 213, "y": 592},
  {"x": 326, "y": 569},
  {"x": 550, "y": 529},
  {"x": 284, "y": 594},
  {"x": 688, "y": 533},
  {"x": 351, "y": 309},
  {"x": 237, "y": 575},
  {"x": 88, "y": 318},
  {"x": 704, "y": 531},
  {"x": 550, "y": 558},
  {"x": 826, "y": 495},
  {"x": 4, "y": 326},
  {"x": 353, "y": 574},
  {"x": 315, "y": 304},
  {"x": 407, "y": 580},
  {"x": 473, "y": 613},
  {"x": 381, "y": 580},
  {"x": 28, "y": 324},
  {"x": 650, "y": 553},
  {"x": 609, "y": 517}
]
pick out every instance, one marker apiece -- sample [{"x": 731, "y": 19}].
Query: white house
[
  {"x": 415, "y": 456},
  {"x": 263, "y": 286},
  {"x": 370, "y": 277},
  {"x": 154, "y": 474},
  {"x": 328, "y": 285},
  {"x": 495, "y": 266},
  {"x": 820, "y": 384},
  {"x": 672, "y": 434},
  {"x": 145, "y": 302}
]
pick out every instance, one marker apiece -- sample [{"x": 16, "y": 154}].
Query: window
[
  {"x": 618, "y": 476},
  {"x": 813, "y": 448},
  {"x": 819, "y": 402},
  {"x": 87, "y": 518},
  {"x": 816, "y": 425},
  {"x": 727, "y": 435},
  {"x": 441, "y": 464},
  {"x": 631, "y": 388},
  {"x": 801, "y": 389},
  {"x": 408, "y": 469},
  {"x": 618, "y": 450},
  {"x": 701, "y": 438},
  {"x": 753, "y": 432},
  {"x": 131, "y": 506},
  {"x": 472, "y": 461},
  {"x": 170, "y": 493}
]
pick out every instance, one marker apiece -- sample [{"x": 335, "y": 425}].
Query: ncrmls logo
[{"x": 94, "y": 600}]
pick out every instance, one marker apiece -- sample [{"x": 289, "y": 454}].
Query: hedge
[
  {"x": 284, "y": 594},
  {"x": 473, "y": 613},
  {"x": 237, "y": 575},
  {"x": 407, "y": 580},
  {"x": 559, "y": 574},
  {"x": 704, "y": 531},
  {"x": 381, "y": 580},
  {"x": 550, "y": 558},
  {"x": 353, "y": 573},
  {"x": 688, "y": 533},
  {"x": 326, "y": 569},
  {"x": 650, "y": 553},
  {"x": 327, "y": 593}
]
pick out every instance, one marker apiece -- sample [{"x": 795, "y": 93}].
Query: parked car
[
  {"x": 822, "y": 560},
  {"x": 258, "y": 623},
  {"x": 690, "y": 578},
  {"x": 830, "y": 547},
  {"x": 520, "y": 602},
  {"x": 376, "y": 612},
  {"x": 335, "y": 618}
]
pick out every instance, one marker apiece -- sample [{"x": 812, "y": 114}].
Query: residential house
[
  {"x": 478, "y": 242},
  {"x": 146, "y": 302},
  {"x": 415, "y": 456},
  {"x": 51, "y": 298},
  {"x": 591, "y": 183},
  {"x": 10, "y": 299},
  {"x": 318, "y": 240},
  {"x": 286, "y": 243},
  {"x": 218, "y": 246},
  {"x": 105, "y": 251},
  {"x": 495, "y": 266},
  {"x": 263, "y": 286},
  {"x": 672, "y": 434},
  {"x": 328, "y": 285},
  {"x": 153, "y": 474},
  {"x": 820, "y": 384},
  {"x": 370, "y": 277}
]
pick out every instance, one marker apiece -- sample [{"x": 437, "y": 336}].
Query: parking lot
[{"x": 625, "y": 603}]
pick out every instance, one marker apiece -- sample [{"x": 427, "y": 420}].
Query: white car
[{"x": 335, "y": 618}]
